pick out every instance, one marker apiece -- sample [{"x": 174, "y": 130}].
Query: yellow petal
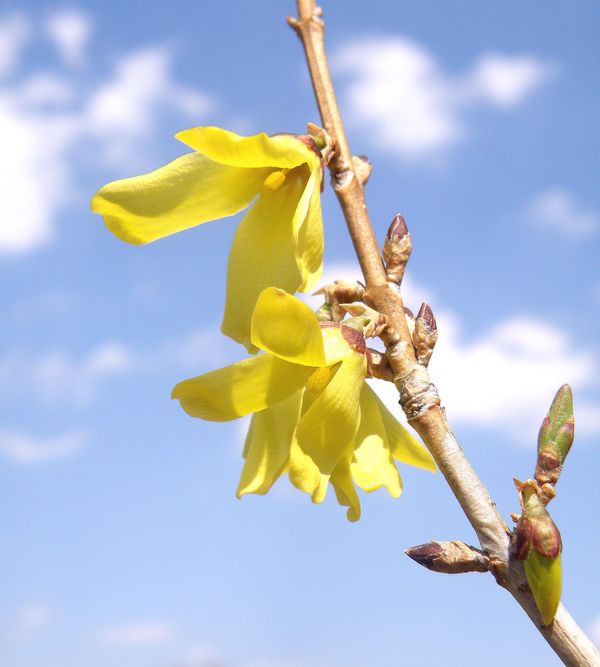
[
  {"x": 345, "y": 491},
  {"x": 305, "y": 475},
  {"x": 544, "y": 576},
  {"x": 268, "y": 445},
  {"x": 329, "y": 425},
  {"x": 372, "y": 465},
  {"x": 263, "y": 254},
  {"x": 260, "y": 150},
  {"x": 287, "y": 328},
  {"x": 186, "y": 192},
  {"x": 404, "y": 447},
  {"x": 244, "y": 387},
  {"x": 310, "y": 236}
]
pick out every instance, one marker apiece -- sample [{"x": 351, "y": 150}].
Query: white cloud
[
  {"x": 33, "y": 163},
  {"x": 28, "y": 450},
  {"x": 399, "y": 92},
  {"x": 125, "y": 108},
  {"x": 58, "y": 376},
  {"x": 557, "y": 211},
  {"x": 70, "y": 31},
  {"x": 143, "y": 633},
  {"x": 506, "y": 377},
  {"x": 14, "y": 32},
  {"x": 506, "y": 81},
  {"x": 46, "y": 115}
]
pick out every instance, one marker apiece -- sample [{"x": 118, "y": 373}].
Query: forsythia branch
[{"x": 418, "y": 395}]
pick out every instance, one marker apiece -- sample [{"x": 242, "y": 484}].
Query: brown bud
[
  {"x": 397, "y": 228},
  {"x": 425, "y": 334},
  {"x": 397, "y": 247},
  {"x": 449, "y": 557}
]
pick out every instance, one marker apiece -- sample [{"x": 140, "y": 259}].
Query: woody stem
[{"x": 418, "y": 395}]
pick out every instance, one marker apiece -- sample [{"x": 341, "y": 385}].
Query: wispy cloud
[
  {"x": 557, "y": 211},
  {"x": 397, "y": 90},
  {"x": 70, "y": 30},
  {"x": 46, "y": 115},
  {"x": 125, "y": 108},
  {"x": 139, "y": 634},
  {"x": 58, "y": 376},
  {"x": 29, "y": 450}
]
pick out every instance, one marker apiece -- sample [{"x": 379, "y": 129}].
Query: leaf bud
[
  {"x": 449, "y": 557},
  {"x": 425, "y": 334},
  {"x": 397, "y": 247}
]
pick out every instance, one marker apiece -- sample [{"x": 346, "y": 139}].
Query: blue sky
[{"x": 122, "y": 542}]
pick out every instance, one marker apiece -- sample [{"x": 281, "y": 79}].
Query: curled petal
[
  {"x": 267, "y": 447},
  {"x": 403, "y": 446},
  {"x": 372, "y": 465},
  {"x": 287, "y": 328},
  {"x": 186, "y": 192},
  {"x": 240, "y": 389},
  {"x": 260, "y": 150},
  {"x": 329, "y": 425},
  {"x": 310, "y": 237},
  {"x": 345, "y": 492},
  {"x": 263, "y": 254}
]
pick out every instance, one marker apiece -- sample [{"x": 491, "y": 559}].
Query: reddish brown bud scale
[
  {"x": 354, "y": 338},
  {"x": 397, "y": 247},
  {"x": 425, "y": 313},
  {"x": 397, "y": 228},
  {"x": 425, "y": 334}
]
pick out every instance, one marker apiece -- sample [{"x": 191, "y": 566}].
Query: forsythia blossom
[
  {"x": 313, "y": 414},
  {"x": 278, "y": 242}
]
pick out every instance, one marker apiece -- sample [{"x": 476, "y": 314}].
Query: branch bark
[{"x": 418, "y": 395}]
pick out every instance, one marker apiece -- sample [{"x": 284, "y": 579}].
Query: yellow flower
[
  {"x": 278, "y": 242},
  {"x": 313, "y": 414}
]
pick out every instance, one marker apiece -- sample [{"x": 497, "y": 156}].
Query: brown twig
[{"x": 418, "y": 395}]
